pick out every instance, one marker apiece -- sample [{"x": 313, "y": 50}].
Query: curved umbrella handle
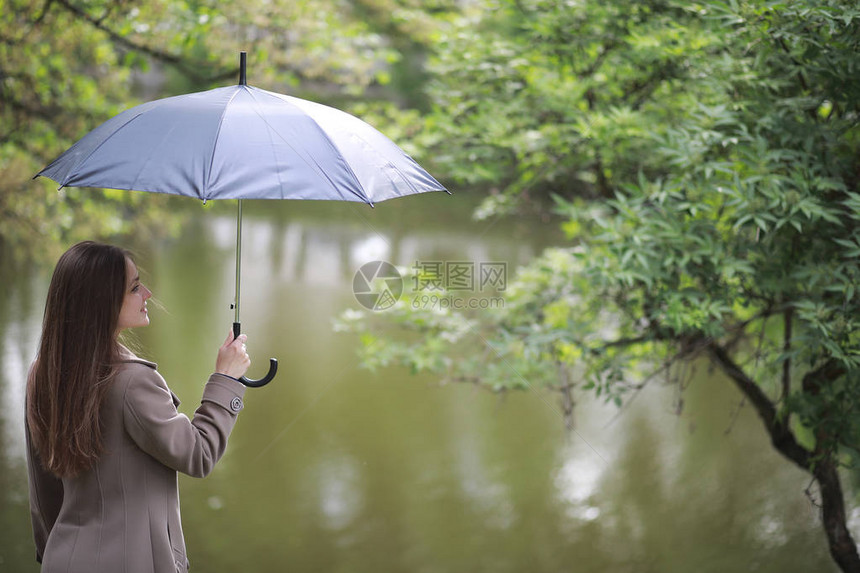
[
  {"x": 273, "y": 369},
  {"x": 273, "y": 366}
]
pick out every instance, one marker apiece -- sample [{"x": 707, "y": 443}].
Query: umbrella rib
[
  {"x": 144, "y": 164},
  {"x": 269, "y": 131},
  {"x": 394, "y": 168},
  {"x": 390, "y": 165},
  {"x": 76, "y": 169},
  {"x": 386, "y": 163},
  {"x": 365, "y": 199},
  {"x": 205, "y": 190}
]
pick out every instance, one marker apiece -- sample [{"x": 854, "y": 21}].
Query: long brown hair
[{"x": 77, "y": 356}]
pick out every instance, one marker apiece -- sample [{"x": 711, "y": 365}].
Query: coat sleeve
[
  {"x": 46, "y": 497},
  {"x": 189, "y": 446}
]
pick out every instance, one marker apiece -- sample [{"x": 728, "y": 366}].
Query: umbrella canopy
[{"x": 241, "y": 142}]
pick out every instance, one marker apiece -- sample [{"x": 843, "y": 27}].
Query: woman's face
[{"x": 133, "y": 312}]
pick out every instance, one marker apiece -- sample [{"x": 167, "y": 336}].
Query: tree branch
[
  {"x": 739, "y": 330},
  {"x": 592, "y": 68},
  {"x": 827, "y": 372},
  {"x": 780, "y": 434},
  {"x": 191, "y": 71},
  {"x": 566, "y": 389},
  {"x": 627, "y": 341},
  {"x": 44, "y": 12},
  {"x": 841, "y": 543},
  {"x": 786, "y": 349},
  {"x": 785, "y": 48}
]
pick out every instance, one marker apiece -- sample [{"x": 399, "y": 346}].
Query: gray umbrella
[{"x": 241, "y": 142}]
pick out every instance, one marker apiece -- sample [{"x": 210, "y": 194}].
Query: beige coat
[{"x": 122, "y": 515}]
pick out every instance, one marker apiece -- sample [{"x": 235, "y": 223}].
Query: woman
[{"x": 105, "y": 441}]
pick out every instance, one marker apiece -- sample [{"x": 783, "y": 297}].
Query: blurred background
[
  {"x": 394, "y": 448},
  {"x": 335, "y": 468}
]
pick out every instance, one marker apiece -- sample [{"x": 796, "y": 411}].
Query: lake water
[{"x": 332, "y": 468}]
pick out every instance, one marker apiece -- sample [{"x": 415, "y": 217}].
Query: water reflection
[
  {"x": 21, "y": 298},
  {"x": 340, "y": 493},
  {"x": 328, "y": 255},
  {"x": 20, "y": 329},
  {"x": 332, "y": 468},
  {"x": 16, "y": 348},
  {"x": 487, "y": 495},
  {"x": 577, "y": 481}
]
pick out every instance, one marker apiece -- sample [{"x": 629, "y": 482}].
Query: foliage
[
  {"x": 705, "y": 158},
  {"x": 561, "y": 97},
  {"x": 724, "y": 137}
]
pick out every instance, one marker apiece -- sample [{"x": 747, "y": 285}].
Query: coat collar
[
  {"x": 128, "y": 357},
  {"x": 136, "y": 360}
]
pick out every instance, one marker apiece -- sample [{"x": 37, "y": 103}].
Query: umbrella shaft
[{"x": 238, "y": 261}]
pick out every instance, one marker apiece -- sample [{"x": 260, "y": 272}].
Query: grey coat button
[{"x": 236, "y": 404}]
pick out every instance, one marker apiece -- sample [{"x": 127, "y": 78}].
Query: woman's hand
[{"x": 232, "y": 358}]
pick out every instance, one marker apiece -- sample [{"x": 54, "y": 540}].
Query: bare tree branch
[
  {"x": 780, "y": 434},
  {"x": 786, "y": 348},
  {"x": 841, "y": 543}
]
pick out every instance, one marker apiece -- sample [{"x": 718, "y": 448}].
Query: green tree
[{"x": 705, "y": 159}]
